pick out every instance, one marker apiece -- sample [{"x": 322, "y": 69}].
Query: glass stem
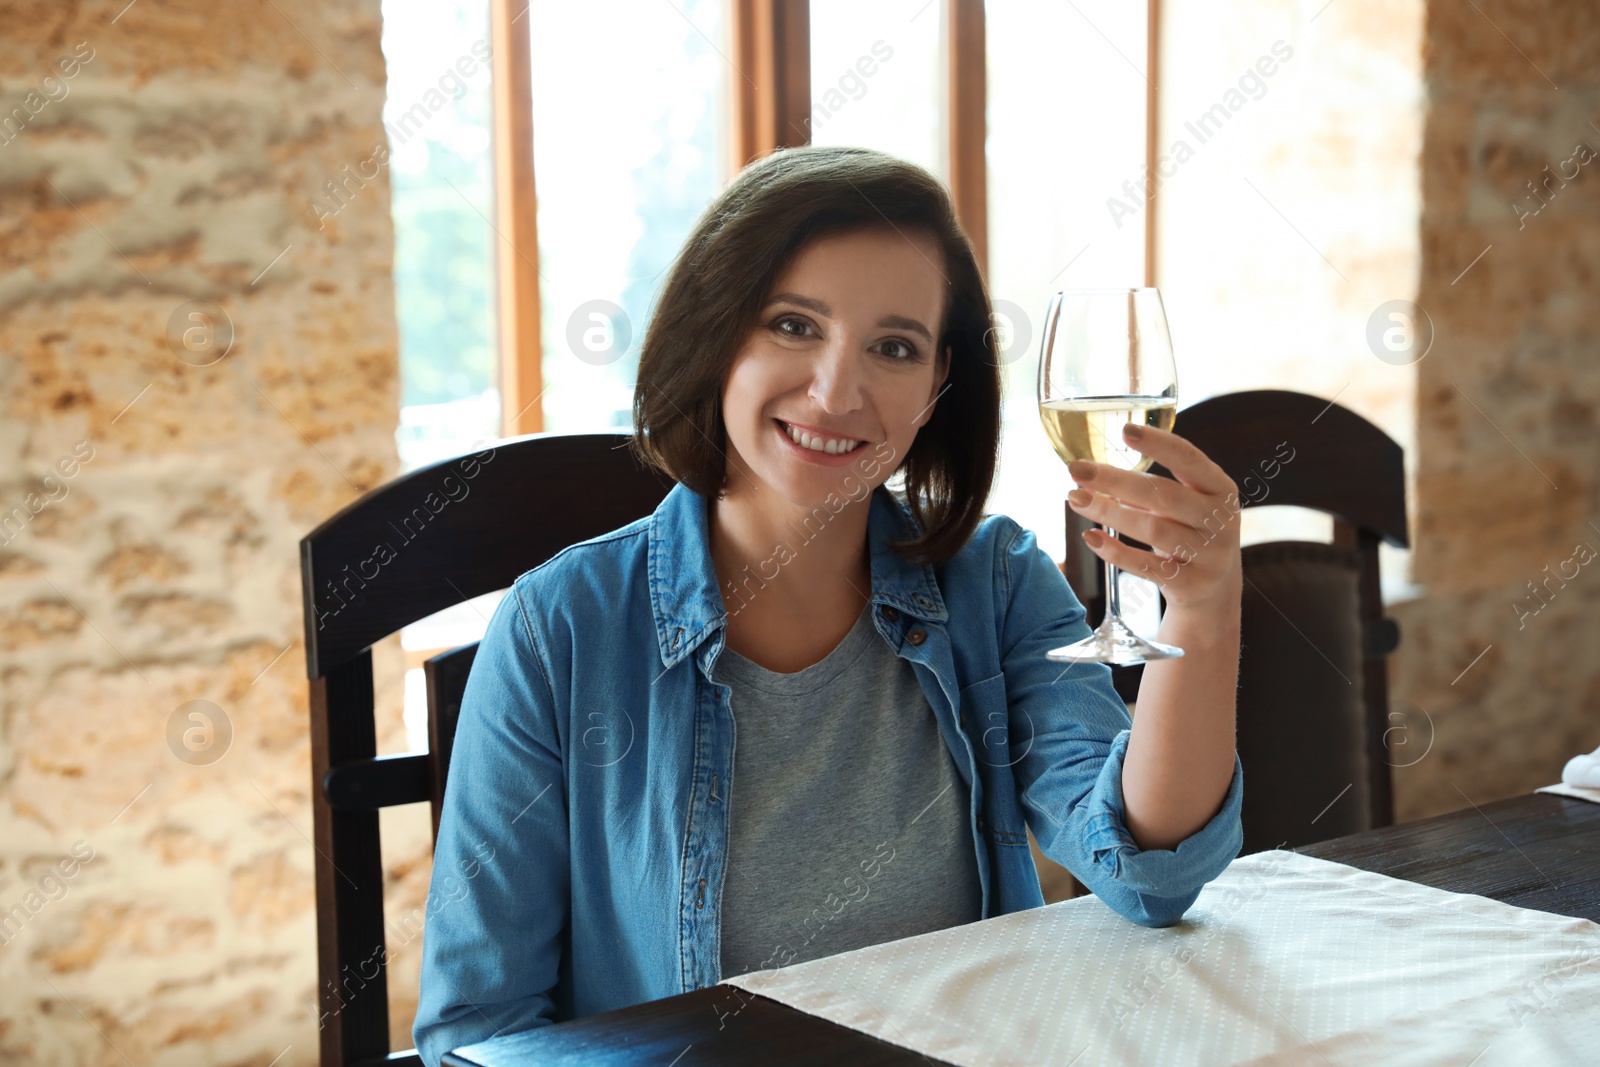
[{"x": 1113, "y": 595}]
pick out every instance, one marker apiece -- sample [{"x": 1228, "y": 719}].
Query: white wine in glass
[
  {"x": 1091, "y": 427},
  {"x": 1105, "y": 361}
]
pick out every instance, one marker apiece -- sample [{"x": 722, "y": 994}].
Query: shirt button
[
  {"x": 891, "y": 614},
  {"x": 916, "y": 637},
  {"x": 980, "y": 822},
  {"x": 963, "y": 720}
]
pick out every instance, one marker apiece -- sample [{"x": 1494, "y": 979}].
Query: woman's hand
[
  {"x": 1180, "y": 760},
  {"x": 1189, "y": 523}
]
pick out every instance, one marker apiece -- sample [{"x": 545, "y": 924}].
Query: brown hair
[{"x": 721, "y": 279}]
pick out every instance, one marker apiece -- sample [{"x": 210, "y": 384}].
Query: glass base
[{"x": 1114, "y": 643}]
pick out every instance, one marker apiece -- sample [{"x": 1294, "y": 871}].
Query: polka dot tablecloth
[{"x": 1284, "y": 959}]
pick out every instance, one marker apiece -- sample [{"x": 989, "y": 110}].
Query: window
[
  {"x": 1066, "y": 89},
  {"x": 632, "y": 122},
  {"x": 437, "y": 120},
  {"x": 877, "y": 78},
  {"x": 629, "y": 120},
  {"x": 1066, "y": 134}
]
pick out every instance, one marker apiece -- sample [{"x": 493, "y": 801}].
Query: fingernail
[
  {"x": 1081, "y": 470},
  {"x": 1133, "y": 431},
  {"x": 1080, "y": 497}
]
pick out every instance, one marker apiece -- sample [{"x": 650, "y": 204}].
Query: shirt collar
[{"x": 683, "y": 583}]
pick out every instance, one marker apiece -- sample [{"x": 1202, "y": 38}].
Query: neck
[{"x": 810, "y": 561}]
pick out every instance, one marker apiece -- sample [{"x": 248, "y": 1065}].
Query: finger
[
  {"x": 1182, "y": 457},
  {"x": 1136, "y": 561},
  {"x": 1157, "y": 531},
  {"x": 1152, "y": 495}
]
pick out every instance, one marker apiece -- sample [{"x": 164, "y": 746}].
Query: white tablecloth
[{"x": 1284, "y": 959}]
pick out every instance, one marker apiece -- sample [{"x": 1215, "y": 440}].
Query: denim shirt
[{"x": 581, "y": 849}]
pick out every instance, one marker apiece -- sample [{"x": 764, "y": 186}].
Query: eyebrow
[{"x": 894, "y": 322}]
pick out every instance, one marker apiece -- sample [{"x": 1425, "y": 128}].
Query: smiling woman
[
  {"x": 807, "y": 392},
  {"x": 877, "y": 237},
  {"x": 874, "y": 654}
]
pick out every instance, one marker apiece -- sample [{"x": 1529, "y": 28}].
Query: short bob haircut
[{"x": 721, "y": 280}]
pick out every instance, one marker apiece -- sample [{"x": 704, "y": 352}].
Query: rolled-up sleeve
[
  {"x": 1069, "y": 777},
  {"x": 1166, "y": 880}
]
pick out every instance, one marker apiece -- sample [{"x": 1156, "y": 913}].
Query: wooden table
[{"x": 1536, "y": 851}]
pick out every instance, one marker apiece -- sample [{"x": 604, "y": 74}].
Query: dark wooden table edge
[{"x": 759, "y": 1012}]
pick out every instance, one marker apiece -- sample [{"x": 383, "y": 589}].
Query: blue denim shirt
[{"x": 581, "y": 850}]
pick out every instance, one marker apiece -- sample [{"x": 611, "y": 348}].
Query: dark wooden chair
[
  {"x": 1314, "y": 717},
  {"x": 424, "y": 542}
]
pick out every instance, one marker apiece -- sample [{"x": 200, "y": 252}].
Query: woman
[{"x": 606, "y": 840}]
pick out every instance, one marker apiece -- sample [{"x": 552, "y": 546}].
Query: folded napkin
[
  {"x": 1577, "y": 792},
  {"x": 1580, "y": 779},
  {"x": 1583, "y": 770}
]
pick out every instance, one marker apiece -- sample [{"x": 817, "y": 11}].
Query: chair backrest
[
  {"x": 426, "y": 541},
  {"x": 1313, "y": 689}
]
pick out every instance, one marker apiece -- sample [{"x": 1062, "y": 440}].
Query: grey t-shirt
[{"x": 849, "y": 821}]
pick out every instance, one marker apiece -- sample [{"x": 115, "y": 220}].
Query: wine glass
[{"x": 1106, "y": 360}]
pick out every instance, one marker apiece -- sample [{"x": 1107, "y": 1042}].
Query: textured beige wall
[
  {"x": 1508, "y": 438},
  {"x": 176, "y": 164}
]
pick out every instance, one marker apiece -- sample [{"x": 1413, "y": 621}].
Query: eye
[
  {"x": 908, "y": 351},
  {"x": 791, "y": 320}
]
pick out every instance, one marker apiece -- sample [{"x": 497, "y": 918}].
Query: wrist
[{"x": 1205, "y": 623}]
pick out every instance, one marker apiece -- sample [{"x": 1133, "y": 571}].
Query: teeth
[{"x": 831, "y": 445}]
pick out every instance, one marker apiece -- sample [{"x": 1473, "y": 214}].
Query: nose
[{"x": 836, "y": 377}]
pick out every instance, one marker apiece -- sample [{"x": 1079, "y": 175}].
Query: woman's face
[{"x": 843, "y": 349}]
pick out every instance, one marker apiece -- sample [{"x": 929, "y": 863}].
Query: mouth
[{"x": 817, "y": 445}]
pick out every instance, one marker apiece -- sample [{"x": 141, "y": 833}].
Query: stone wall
[
  {"x": 193, "y": 373},
  {"x": 1497, "y": 668}
]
